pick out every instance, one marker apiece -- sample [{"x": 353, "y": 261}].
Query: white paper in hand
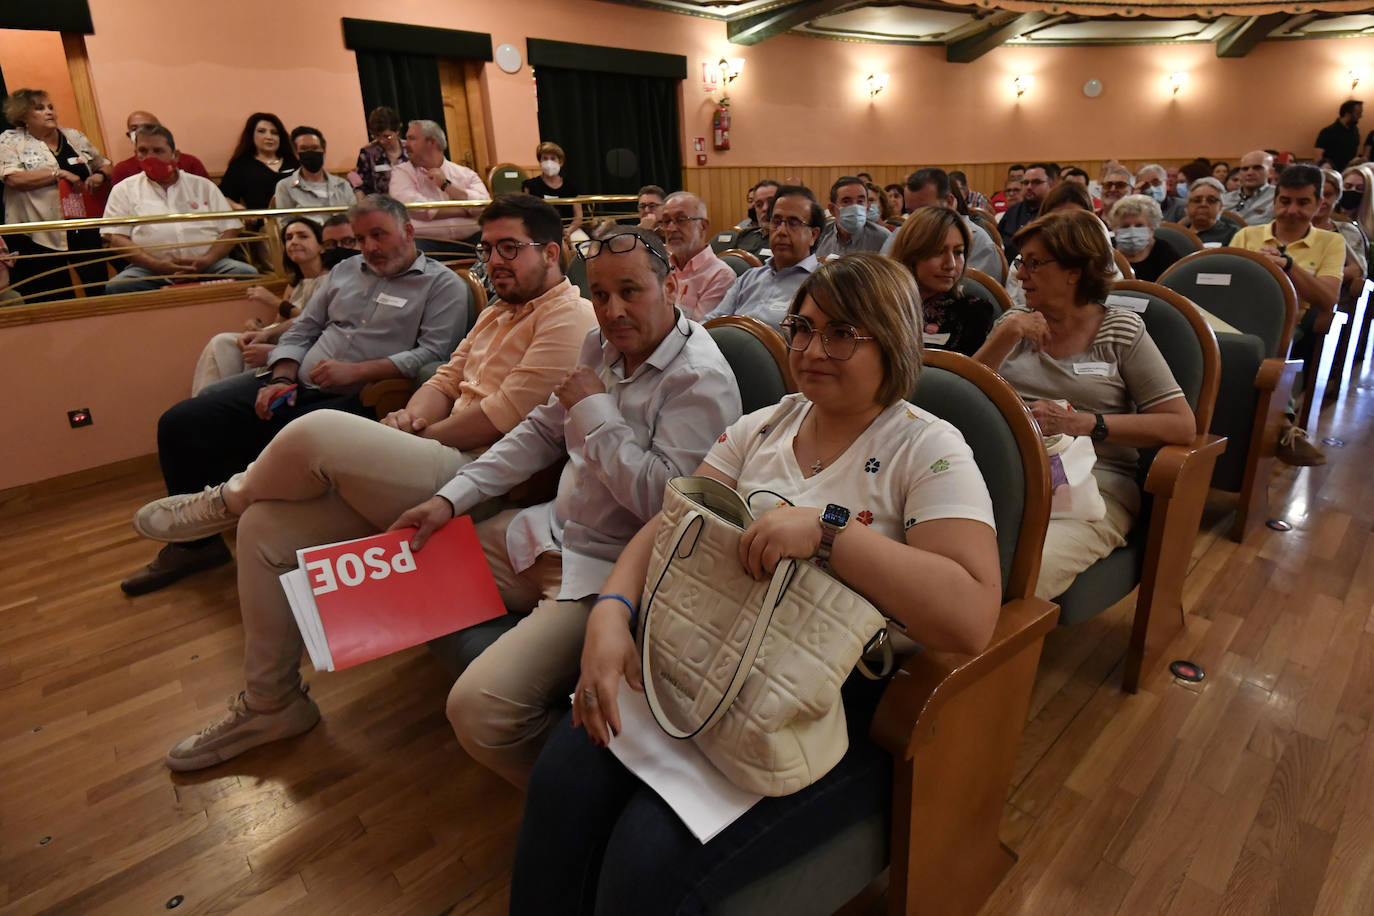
[{"x": 706, "y": 801}]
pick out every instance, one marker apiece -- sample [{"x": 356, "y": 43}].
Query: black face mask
[
  {"x": 312, "y": 160},
  {"x": 1350, "y": 200},
  {"x": 333, "y": 257}
]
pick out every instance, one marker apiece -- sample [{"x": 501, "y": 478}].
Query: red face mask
[{"x": 156, "y": 169}]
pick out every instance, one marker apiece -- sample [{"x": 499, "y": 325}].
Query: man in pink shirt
[
  {"x": 427, "y": 175},
  {"x": 698, "y": 279}
]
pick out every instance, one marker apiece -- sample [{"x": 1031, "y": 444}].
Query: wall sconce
[
  {"x": 876, "y": 83},
  {"x": 730, "y": 67},
  {"x": 1022, "y": 82},
  {"x": 1355, "y": 77},
  {"x": 1177, "y": 80}
]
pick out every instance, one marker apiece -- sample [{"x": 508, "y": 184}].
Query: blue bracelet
[{"x": 612, "y": 596}]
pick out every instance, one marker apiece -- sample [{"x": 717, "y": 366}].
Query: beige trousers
[
  {"x": 220, "y": 359},
  {"x": 513, "y": 693},
  {"x": 328, "y": 476},
  {"x": 1072, "y": 546}
]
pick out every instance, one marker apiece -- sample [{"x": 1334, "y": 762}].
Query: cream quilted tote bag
[{"x": 750, "y": 671}]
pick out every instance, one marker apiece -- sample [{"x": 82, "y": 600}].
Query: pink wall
[
  {"x": 35, "y": 60},
  {"x": 126, "y": 368},
  {"x": 931, "y": 111}
]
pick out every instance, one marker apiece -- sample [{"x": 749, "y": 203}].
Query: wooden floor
[{"x": 1250, "y": 793}]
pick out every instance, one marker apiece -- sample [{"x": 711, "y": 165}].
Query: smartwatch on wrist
[
  {"x": 1099, "y": 432},
  {"x": 833, "y": 521}
]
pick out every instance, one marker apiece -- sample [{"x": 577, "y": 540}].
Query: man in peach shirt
[
  {"x": 338, "y": 476},
  {"x": 698, "y": 279},
  {"x": 428, "y": 175}
]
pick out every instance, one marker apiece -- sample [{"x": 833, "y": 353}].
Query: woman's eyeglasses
[
  {"x": 1030, "y": 265},
  {"x": 618, "y": 244},
  {"x": 839, "y": 341}
]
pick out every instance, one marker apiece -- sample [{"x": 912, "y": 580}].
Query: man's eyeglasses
[
  {"x": 668, "y": 222},
  {"x": 839, "y": 342},
  {"x": 348, "y": 241},
  {"x": 618, "y": 244},
  {"x": 508, "y": 249},
  {"x": 1114, "y": 185},
  {"x": 791, "y": 222},
  {"x": 1030, "y": 265}
]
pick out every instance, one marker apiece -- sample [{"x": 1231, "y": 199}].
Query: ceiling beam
[
  {"x": 752, "y": 29},
  {"x": 1242, "y": 39},
  {"x": 967, "y": 50}
]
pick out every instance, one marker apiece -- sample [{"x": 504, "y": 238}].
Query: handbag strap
[{"x": 763, "y": 617}]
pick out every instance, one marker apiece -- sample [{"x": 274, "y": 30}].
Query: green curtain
[
  {"x": 620, "y": 131},
  {"x": 406, "y": 83}
]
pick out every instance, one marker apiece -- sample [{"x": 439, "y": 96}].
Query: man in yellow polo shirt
[{"x": 1313, "y": 259}]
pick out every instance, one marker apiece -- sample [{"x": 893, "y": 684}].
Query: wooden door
[{"x": 464, "y": 115}]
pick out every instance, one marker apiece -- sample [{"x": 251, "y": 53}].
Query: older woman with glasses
[
  {"x": 1087, "y": 370},
  {"x": 41, "y": 163},
  {"x": 846, "y": 472},
  {"x": 1204, "y": 212}
]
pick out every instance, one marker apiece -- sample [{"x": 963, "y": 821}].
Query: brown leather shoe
[
  {"x": 175, "y": 562},
  {"x": 1296, "y": 449}
]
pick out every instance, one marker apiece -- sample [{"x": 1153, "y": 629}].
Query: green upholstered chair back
[
  {"x": 739, "y": 261},
  {"x": 980, "y": 285},
  {"x": 505, "y": 179},
  {"x": 1183, "y": 337},
  {"x": 1182, "y": 240},
  {"x": 994, "y": 422},
  {"x": 757, "y": 356},
  {"x": 1241, "y": 288},
  {"x": 577, "y": 273},
  {"x": 723, "y": 240}
]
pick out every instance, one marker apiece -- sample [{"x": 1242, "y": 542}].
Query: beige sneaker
[
  {"x": 185, "y": 517},
  {"x": 241, "y": 730},
  {"x": 1295, "y": 448}
]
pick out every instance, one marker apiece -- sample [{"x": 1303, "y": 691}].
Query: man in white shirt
[
  {"x": 698, "y": 279},
  {"x": 427, "y": 175},
  {"x": 311, "y": 185},
  {"x": 162, "y": 253}
]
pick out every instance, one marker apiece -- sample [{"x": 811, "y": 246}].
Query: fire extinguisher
[{"x": 720, "y": 126}]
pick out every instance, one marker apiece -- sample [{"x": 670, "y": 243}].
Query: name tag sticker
[
  {"x": 1092, "y": 368},
  {"x": 510, "y": 174},
  {"x": 1213, "y": 279},
  {"x": 723, "y": 238},
  {"x": 1211, "y": 244},
  {"x": 1134, "y": 303},
  {"x": 395, "y": 302},
  {"x": 382, "y": 167},
  {"x": 765, "y": 253},
  {"x": 74, "y": 160},
  {"x": 936, "y": 340}
]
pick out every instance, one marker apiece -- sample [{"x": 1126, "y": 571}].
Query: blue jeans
[
  {"x": 595, "y": 839},
  {"x": 138, "y": 279}
]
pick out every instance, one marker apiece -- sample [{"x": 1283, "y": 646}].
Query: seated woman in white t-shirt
[
  {"x": 232, "y": 352},
  {"x": 919, "y": 544},
  {"x": 1067, "y": 346}
]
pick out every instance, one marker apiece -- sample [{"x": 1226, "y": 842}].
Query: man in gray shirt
[
  {"x": 380, "y": 316},
  {"x": 850, "y": 231},
  {"x": 932, "y": 188},
  {"x": 794, "y": 224},
  {"x": 1253, "y": 201}
]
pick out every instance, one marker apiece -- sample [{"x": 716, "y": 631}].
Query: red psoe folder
[{"x": 359, "y": 600}]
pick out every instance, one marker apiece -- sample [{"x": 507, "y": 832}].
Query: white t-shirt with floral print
[{"x": 908, "y": 467}]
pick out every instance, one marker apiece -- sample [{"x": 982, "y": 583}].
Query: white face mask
[{"x": 549, "y": 167}]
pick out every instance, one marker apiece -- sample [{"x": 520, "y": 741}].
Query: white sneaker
[
  {"x": 241, "y": 730},
  {"x": 185, "y": 517}
]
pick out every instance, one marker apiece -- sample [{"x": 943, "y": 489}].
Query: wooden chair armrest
[
  {"x": 1174, "y": 465},
  {"x": 380, "y": 396},
  {"x": 927, "y": 680}
]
